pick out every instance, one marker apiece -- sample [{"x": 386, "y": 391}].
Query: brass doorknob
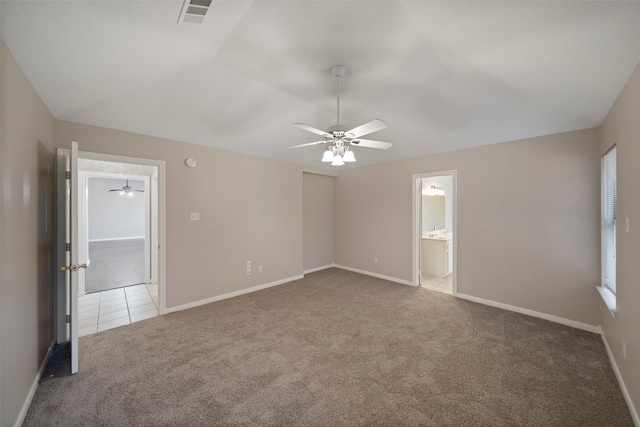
[{"x": 73, "y": 267}]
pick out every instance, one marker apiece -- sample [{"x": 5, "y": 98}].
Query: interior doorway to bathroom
[{"x": 434, "y": 231}]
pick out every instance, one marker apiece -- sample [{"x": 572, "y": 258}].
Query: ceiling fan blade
[
  {"x": 367, "y": 128},
  {"x": 139, "y": 191},
  {"x": 308, "y": 144},
  {"x": 371, "y": 144},
  {"x": 312, "y": 129}
]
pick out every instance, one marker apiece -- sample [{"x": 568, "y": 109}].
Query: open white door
[{"x": 73, "y": 242}]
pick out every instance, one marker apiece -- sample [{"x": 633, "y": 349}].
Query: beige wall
[
  {"x": 527, "y": 221},
  {"x": 317, "y": 221},
  {"x": 27, "y": 214},
  {"x": 622, "y": 127},
  {"x": 250, "y": 210}
]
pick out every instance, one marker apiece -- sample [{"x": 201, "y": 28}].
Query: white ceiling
[{"x": 443, "y": 75}]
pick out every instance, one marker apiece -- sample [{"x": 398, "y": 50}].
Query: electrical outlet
[
  {"x": 624, "y": 349},
  {"x": 626, "y": 225},
  {"x": 195, "y": 216},
  {"x": 248, "y": 268},
  {"x": 259, "y": 269},
  {"x": 375, "y": 259}
]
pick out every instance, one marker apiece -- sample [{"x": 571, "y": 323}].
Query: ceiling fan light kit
[
  {"x": 349, "y": 157},
  {"x": 341, "y": 137},
  {"x": 337, "y": 161}
]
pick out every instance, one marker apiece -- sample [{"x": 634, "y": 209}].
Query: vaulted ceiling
[{"x": 443, "y": 75}]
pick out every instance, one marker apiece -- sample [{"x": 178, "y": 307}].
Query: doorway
[
  {"x": 434, "y": 231},
  {"x": 115, "y": 228},
  {"x": 113, "y": 302},
  {"x": 115, "y": 216}
]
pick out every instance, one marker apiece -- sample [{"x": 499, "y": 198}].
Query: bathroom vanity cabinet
[{"x": 437, "y": 255}]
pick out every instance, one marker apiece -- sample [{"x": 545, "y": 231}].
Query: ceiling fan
[
  {"x": 127, "y": 189},
  {"x": 340, "y": 137}
]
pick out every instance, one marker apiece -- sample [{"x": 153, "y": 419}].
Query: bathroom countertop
[{"x": 443, "y": 237}]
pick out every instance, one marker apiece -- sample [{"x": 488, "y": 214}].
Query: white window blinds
[{"x": 609, "y": 217}]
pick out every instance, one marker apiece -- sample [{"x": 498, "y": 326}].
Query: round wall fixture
[{"x": 190, "y": 162}]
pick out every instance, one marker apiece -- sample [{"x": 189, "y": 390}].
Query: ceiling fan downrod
[{"x": 338, "y": 71}]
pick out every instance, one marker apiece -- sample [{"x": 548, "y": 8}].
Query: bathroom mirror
[{"x": 433, "y": 213}]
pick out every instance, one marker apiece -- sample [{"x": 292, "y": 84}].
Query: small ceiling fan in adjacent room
[
  {"x": 340, "y": 137},
  {"x": 127, "y": 190}
]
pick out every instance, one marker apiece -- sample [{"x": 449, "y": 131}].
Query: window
[{"x": 609, "y": 217}]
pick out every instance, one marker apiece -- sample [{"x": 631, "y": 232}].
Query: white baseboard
[
  {"x": 623, "y": 387},
  {"x": 379, "y": 276},
  {"x": 556, "y": 319},
  {"x": 32, "y": 391},
  {"x": 313, "y": 270},
  {"x": 231, "y": 294}
]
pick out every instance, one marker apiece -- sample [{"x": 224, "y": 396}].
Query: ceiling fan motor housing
[{"x": 339, "y": 131}]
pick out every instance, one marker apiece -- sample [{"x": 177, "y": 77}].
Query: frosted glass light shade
[
  {"x": 349, "y": 157},
  {"x": 328, "y": 156},
  {"x": 337, "y": 161}
]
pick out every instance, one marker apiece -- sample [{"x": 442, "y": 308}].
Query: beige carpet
[{"x": 337, "y": 349}]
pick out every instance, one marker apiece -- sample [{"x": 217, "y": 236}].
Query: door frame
[
  {"x": 416, "y": 196},
  {"x": 61, "y": 306}
]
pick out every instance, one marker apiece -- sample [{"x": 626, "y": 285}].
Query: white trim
[
  {"x": 609, "y": 299},
  {"x": 379, "y": 276},
  {"x": 117, "y": 238},
  {"x": 312, "y": 270},
  {"x": 231, "y": 294},
  {"x": 607, "y": 271},
  {"x": 545, "y": 316},
  {"x": 623, "y": 387},
  {"x": 32, "y": 391},
  {"x": 160, "y": 268}
]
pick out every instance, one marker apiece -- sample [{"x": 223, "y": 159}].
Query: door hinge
[
  {"x": 68, "y": 318},
  {"x": 67, "y": 175},
  {"x": 67, "y": 247}
]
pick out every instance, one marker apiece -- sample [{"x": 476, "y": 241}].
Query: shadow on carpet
[{"x": 59, "y": 363}]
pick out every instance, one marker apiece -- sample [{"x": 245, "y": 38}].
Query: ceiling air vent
[{"x": 193, "y": 11}]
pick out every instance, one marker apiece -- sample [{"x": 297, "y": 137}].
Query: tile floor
[
  {"x": 100, "y": 311},
  {"x": 440, "y": 284}
]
